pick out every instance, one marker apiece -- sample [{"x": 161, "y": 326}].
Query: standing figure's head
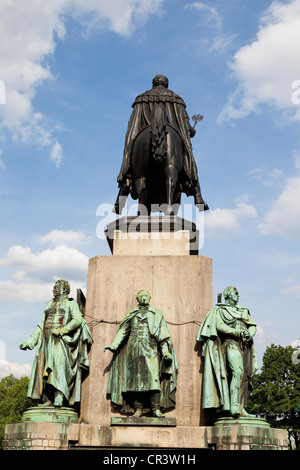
[
  {"x": 160, "y": 80},
  {"x": 143, "y": 297},
  {"x": 61, "y": 288},
  {"x": 231, "y": 295}
]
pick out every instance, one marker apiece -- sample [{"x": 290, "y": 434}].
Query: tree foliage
[
  {"x": 276, "y": 391},
  {"x": 13, "y": 401}
]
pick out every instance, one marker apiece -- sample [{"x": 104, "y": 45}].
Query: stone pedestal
[
  {"x": 240, "y": 434},
  {"x": 40, "y": 436},
  {"x": 161, "y": 257},
  {"x": 180, "y": 286},
  {"x": 155, "y": 235},
  {"x": 62, "y": 436}
]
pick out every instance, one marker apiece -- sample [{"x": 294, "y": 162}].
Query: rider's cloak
[{"x": 177, "y": 118}]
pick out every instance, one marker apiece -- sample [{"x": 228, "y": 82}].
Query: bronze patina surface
[
  {"x": 144, "y": 368},
  {"x": 62, "y": 340},
  {"x": 226, "y": 335}
]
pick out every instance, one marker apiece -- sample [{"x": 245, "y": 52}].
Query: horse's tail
[{"x": 159, "y": 132}]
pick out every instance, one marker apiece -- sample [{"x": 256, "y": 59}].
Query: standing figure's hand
[
  {"x": 168, "y": 358},
  {"x": 245, "y": 335},
  {"x": 57, "y": 331}
]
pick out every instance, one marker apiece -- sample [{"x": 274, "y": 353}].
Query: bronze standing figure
[
  {"x": 62, "y": 340},
  {"x": 229, "y": 356},
  {"x": 144, "y": 367}
]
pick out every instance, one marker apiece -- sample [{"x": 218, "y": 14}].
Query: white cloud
[
  {"x": 294, "y": 290},
  {"x": 284, "y": 216},
  {"x": 211, "y": 12},
  {"x": 265, "y": 335},
  {"x": 222, "y": 221},
  {"x": 267, "y": 68},
  {"x": 48, "y": 264},
  {"x": 217, "y": 40},
  {"x": 11, "y": 291},
  {"x": 56, "y": 154},
  {"x": 30, "y": 276},
  {"x": 34, "y": 292},
  {"x": 296, "y": 158},
  {"x": 27, "y": 37},
  {"x": 18, "y": 370},
  {"x": 61, "y": 237},
  {"x": 2, "y": 164},
  {"x": 267, "y": 177},
  {"x": 120, "y": 16},
  {"x": 29, "y": 33}
]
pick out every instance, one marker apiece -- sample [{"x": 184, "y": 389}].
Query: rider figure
[{"x": 178, "y": 119}]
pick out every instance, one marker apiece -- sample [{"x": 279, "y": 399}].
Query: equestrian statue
[{"x": 158, "y": 163}]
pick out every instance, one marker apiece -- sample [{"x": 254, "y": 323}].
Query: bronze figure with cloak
[
  {"x": 226, "y": 336},
  {"x": 158, "y": 162},
  {"x": 144, "y": 368},
  {"x": 62, "y": 339}
]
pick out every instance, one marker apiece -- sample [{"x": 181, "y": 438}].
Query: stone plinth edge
[
  {"x": 235, "y": 435},
  {"x": 143, "y": 421},
  {"x": 157, "y": 227},
  {"x": 62, "y": 436}
]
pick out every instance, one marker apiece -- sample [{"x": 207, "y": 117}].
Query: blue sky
[{"x": 69, "y": 72}]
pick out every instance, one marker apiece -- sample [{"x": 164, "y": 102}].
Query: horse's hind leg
[
  {"x": 141, "y": 190},
  {"x": 140, "y": 164},
  {"x": 171, "y": 173}
]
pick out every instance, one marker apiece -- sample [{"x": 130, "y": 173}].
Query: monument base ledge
[
  {"x": 152, "y": 235},
  {"x": 63, "y": 436},
  {"x": 143, "y": 421}
]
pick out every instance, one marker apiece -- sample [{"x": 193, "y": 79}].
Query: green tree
[
  {"x": 276, "y": 391},
  {"x": 13, "y": 401}
]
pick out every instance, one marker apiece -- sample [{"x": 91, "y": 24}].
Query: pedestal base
[
  {"x": 62, "y": 436},
  {"x": 50, "y": 414},
  {"x": 181, "y": 287},
  {"x": 155, "y": 235},
  {"x": 247, "y": 433},
  {"x": 32, "y": 435},
  {"x": 244, "y": 420}
]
